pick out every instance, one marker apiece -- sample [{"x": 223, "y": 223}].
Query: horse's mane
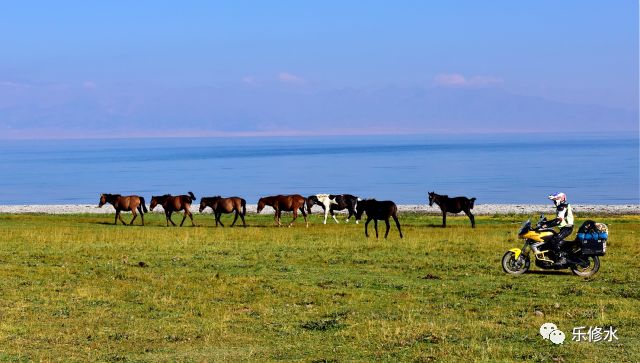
[{"x": 439, "y": 195}]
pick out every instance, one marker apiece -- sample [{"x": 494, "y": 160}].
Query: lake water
[{"x": 501, "y": 168}]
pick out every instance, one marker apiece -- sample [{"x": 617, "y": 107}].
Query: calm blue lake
[{"x": 504, "y": 168}]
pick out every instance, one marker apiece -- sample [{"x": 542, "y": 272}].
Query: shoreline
[{"x": 479, "y": 209}]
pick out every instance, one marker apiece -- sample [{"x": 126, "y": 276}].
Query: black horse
[
  {"x": 453, "y": 205},
  {"x": 339, "y": 202},
  {"x": 378, "y": 210}
]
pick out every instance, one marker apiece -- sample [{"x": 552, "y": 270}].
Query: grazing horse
[
  {"x": 378, "y": 210},
  {"x": 333, "y": 202},
  {"x": 453, "y": 205},
  {"x": 287, "y": 203},
  {"x": 225, "y": 205},
  {"x": 174, "y": 204},
  {"x": 128, "y": 203}
]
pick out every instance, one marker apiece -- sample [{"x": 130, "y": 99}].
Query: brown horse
[
  {"x": 174, "y": 204},
  {"x": 128, "y": 203},
  {"x": 378, "y": 210},
  {"x": 287, "y": 203},
  {"x": 225, "y": 205},
  {"x": 453, "y": 205}
]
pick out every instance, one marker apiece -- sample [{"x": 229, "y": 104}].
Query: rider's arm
[
  {"x": 553, "y": 223},
  {"x": 561, "y": 212}
]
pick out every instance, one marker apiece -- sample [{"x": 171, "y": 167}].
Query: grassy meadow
[{"x": 77, "y": 288}]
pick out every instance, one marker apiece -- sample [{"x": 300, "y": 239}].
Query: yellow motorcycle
[{"x": 582, "y": 253}]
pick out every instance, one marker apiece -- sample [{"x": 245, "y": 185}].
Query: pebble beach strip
[{"x": 479, "y": 209}]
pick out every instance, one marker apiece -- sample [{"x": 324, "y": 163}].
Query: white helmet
[{"x": 558, "y": 198}]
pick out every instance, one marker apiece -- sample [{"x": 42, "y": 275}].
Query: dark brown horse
[
  {"x": 378, "y": 210},
  {"x": 225, "y": 205},
  {"x": 174, "y": 204},
  {"x": 453, "y": 205},
  {"x": 128, "y": 203},
  {"x": 287, "y": 203}
]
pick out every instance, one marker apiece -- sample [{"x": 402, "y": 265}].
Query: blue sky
[{"x": 150, "y": 68}]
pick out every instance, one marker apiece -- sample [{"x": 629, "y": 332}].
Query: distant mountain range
[{"x": 252, "y": 110}]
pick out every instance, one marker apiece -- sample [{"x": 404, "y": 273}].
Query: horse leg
[
  {"x": 121, "y": 220},
  {"x": 326, "y": 214},
  {"x": 187, "y": 213},
  {"x": 333, "y": 215},
  {"x": 184, "y": 216},
  {"x": 169, "y": 219},
  {"x": 304, "y": 214},
  {"x": 295, "y": 215},
  {"x": 220, "y": 220},
  {"x": 386, "y": 222},
  {"x": 141, "y": 214},
  {"x": 133, "y": 211},
  {"x": 473, "y": 220},
  {"x": 395, "y": 218},
  {"x": 235, "y": 218},
  {"x": 115, "y": 223},
  {"x": 243, "y": 223},
  {"x": 276, "y": 217},
  {"x": 366, "y": 232},
  {"x": 444, "y": 219},
  {"x": 375, "y": 225}
]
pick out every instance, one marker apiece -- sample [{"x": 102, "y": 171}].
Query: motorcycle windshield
[{"x": 525, "y": 226}]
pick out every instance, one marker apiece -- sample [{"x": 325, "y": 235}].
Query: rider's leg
[{"x": 559, "y": 243}]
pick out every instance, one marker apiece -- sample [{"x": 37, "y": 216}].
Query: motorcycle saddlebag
[{"x": 593, "y": 241}]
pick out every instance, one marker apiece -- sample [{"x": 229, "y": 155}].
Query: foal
[
  {"x": 225, "y": 205},
  {"x": 453, "y": 205},
  {"x": 174, "y": 204},
  {"x": 378, "y": 210}
]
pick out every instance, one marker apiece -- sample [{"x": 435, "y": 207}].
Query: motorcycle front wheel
[
  {"x": 514, "y": 266},
  {"x": 590, "y": 266}
]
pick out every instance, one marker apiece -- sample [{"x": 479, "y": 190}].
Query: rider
[{"x": 564, "y": 220}]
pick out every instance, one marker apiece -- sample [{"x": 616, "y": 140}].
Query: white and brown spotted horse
[{"x": 333, "y": 202}]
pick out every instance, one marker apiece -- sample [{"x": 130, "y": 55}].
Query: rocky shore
[{"x": 480, "y": 209}]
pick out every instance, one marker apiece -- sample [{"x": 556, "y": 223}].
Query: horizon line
[{"x": 47, "y": 135}]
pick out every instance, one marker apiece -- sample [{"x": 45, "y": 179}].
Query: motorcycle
[{"x": 581, "y": 254}]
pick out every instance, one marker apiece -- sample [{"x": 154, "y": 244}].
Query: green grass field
[{"x": 77, "y": 288}]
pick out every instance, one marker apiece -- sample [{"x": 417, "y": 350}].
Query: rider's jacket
[{"x": 564, "y": 215}]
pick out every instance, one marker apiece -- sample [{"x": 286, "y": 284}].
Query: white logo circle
[
  {"x": 557, "y": 337},
  {"x": 546, "y": 329}
]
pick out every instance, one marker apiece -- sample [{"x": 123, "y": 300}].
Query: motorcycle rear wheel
[
  {"x": 589, "y": 270},
  {"x": 511, "y": 265}
]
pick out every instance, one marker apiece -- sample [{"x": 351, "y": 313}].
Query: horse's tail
[
  {"x": 243, "y": 203},
  {"x": 471, "y": 201},
  {"x": 193, "y": 197},
  {"x": 144, "y": 207}
]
